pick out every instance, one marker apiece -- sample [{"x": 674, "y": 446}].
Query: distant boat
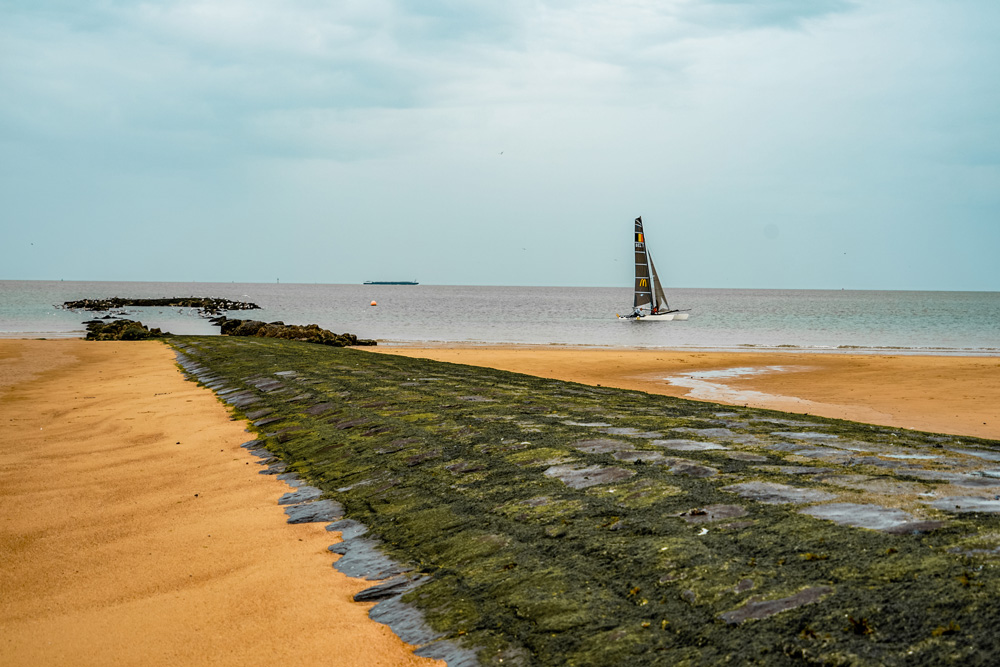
[
  {"x": 650, "y": 303},
  {"x": 391, "y": 282}
]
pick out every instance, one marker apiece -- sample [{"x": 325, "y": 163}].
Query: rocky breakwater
[
  {"x": 310, "y": 333},
  {"x": 551, "y": 523},
  {"x": 121, "y": 330},
  {"x": 206, "y": 305}
]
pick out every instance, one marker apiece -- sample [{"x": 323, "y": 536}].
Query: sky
[{"x": 792, "y": 144}]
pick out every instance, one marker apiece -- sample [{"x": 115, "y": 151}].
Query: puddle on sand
[
  {"x": 710, "y": 385},
  {"x": 739, "y": 371}
]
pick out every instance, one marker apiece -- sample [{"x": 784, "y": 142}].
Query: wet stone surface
[
  {"x": 631, "y": 432},
  {"x": 795, "y": 470},
  {"x": 774, "y": 493},
  {"x": 746, "y": 456},
  {"x": 967, "y": 504},
  {"x": 688, "y": 445},
  {"x": 549, "y": 523},
  {"x": 320, "y": 511},
  {"x": 638, "y": 456},
  {"x": 757, "y": 608},
  {"x": 713, "y": 513},
  {"x": 875, "y": 517},
  {"x": 689, "y": 468},
  {"x": 393, "y": 587},
  {"x": 580, "y": 477},
  {"x": 302, "y": 495},
  {"x": 601, "y": 446}
]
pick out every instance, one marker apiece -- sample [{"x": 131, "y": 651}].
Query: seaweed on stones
[{"x": 726, "y": 555}]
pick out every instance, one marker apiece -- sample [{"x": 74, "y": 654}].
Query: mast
[
  {"x": 659, "y": 298},
  {"x": 643, "y": 292}
]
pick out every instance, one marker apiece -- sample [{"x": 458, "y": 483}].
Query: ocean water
[{"x": 848, "y": 321}]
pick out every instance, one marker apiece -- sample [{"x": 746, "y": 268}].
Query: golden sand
[{"x": 136, "y": 531}]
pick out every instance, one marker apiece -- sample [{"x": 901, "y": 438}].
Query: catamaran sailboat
[{"x": 650, "y": 303}]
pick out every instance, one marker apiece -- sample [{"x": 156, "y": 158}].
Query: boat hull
[{"x": 663, "y": 317}]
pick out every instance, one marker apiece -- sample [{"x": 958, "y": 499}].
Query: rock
[
  {"x": 756, "y": 608},
  {"x": 303, "y": 495},
  {"x": 206, "y": 304},
  {"x": 687, "y": 445},
  {"x": 773, "y": 493},
  {"x": 577, "y": 477},
  {"x": 689, "y": 468},
  {"x": 713, "y": 513},
  {"x": 310, "y": 333},
  {"x": 392, "y": 587},
  {"x": 601, "y": 446},
  {"x": 320, "y": 511},
  {"x": 633, "y": 456},
  {"x": 121, "y": 330},
  {"x": 875, "y": 517},
  {"x": 967, "y": 504}
]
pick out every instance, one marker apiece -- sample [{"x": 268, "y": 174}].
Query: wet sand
[
  {"x": 136, "y": 531},
  {"x": 953, "y": 395}
]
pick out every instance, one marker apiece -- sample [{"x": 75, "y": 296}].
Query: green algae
[{"x": 446, "y": 464}]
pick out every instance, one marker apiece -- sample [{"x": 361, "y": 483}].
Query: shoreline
[
  {"x": 137, "y": 530},
  {"x": 985, "y": 353},
  {"x": 957, "y": 395}
]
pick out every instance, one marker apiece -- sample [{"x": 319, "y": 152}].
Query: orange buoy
[{"x": 374, "y": 304}]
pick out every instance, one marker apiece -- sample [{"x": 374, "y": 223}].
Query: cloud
[
  {"x": 763, "y": 13},
  {"x": 196, "y": 81},
  {"x": 724, "y": 115}
]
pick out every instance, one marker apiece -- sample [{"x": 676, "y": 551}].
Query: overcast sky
[{"x": 766, "y": 143}]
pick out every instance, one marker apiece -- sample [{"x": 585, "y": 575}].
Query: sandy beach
[
  {"x": 941, "y": 394},
  {"x": 136, "y": 530}
]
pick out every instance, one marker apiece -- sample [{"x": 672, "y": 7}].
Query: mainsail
[{"x": 643, "y": 289}]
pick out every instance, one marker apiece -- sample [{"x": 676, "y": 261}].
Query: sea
[{"x": 939, "y": 323}]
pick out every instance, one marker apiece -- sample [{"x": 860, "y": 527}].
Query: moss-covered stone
[
  {"x": 121, "y": 330},
  {"x": 206, "y": 304},
  {"x": 308, "y": 333},
  {"x": 525, "y": 567}
]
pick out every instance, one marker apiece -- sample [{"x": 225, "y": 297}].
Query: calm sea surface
[{"x": 920, "y": 322}]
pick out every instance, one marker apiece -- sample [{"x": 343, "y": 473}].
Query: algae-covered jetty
[
  {"x": 207, "y": 305},
  {"x": 121, "y": 330},
  {"x": 310, "y": 333},
  {"x": 539, "y": 522}
]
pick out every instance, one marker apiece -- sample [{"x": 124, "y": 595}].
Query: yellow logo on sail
[{"x": 643, "y": 282}]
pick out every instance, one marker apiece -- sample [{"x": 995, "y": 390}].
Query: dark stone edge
[{"x": 405, "y": 620}]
